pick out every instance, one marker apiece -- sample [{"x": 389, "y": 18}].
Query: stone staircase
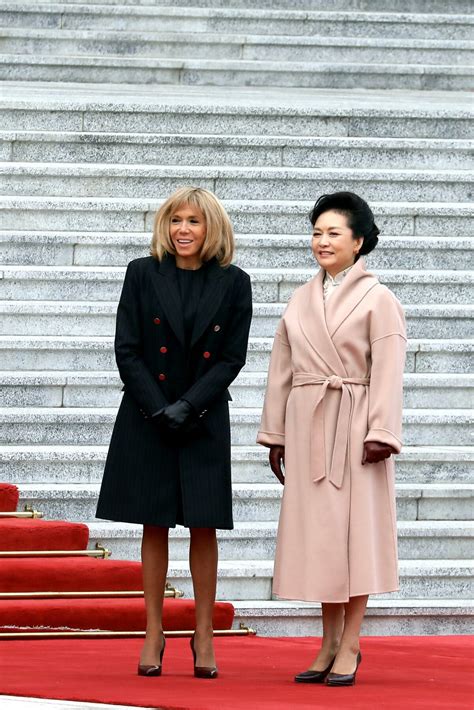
[
  {"x": 143, "y": 43},
  {"x": 269, "y": 108}
]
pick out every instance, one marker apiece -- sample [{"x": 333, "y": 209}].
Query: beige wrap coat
[{"x": 335, "y": 380}]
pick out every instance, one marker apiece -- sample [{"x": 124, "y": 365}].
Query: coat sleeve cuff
[
  {"x": 267, "y": 438},
  {"x": 385, "y": 437}
]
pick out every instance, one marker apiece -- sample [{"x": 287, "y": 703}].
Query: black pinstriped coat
[{"x": 145, "y": 474}]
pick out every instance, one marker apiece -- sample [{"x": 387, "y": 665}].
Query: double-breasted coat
[
  {"x": 335, "y": 381},
  {"x": 149, "y": 479}
]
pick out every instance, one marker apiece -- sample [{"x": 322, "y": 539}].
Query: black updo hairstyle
[{"x": 360, "y": 217}]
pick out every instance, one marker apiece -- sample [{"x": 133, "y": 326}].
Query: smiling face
[
  {"x": 187, "y": 232},
  {"x": 333, "y": 245}
]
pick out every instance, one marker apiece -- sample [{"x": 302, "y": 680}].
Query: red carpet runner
[
  {"x": 428, "y": 673},
  {"x": 75, "y": 574},
  {"x": 9, "y": 497},
  {"x": 108, "y": 614},
  {"x": 36, "y": 534}
]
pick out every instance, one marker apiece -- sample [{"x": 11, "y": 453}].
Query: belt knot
[
  {"x": 343, "y": 425},
  {"x": 335, "y": 382}
]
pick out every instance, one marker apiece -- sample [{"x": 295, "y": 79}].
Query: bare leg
[
  {"x": 349, "y": 647},
  {"x": 155, "y": 568},
  {"x": 333, "y": 623},
  {"x": 203, "y": 563}
]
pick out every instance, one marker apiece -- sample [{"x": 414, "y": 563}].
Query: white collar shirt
[{"x": 330, "y": 284}]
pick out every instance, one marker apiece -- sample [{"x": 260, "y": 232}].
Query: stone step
[
  {"x": 257, "y": 150},
  {"x": 98, "y": 318},
  {"x": 236, "y": 72},
  {"x": 55, "y": 317},
  {"x": 103, "y": 389},
  {"x": 292, "y": 252},
  {"x": 288, "y": 48},
  {"x": 256, "y": 540},
  {"x": 59, "y": 106},
  {"x": 276, "y": 285},
  {"x": 255, "y": 21},
  {"x": 410, "y": 286},
  {"x": 46, "y": 352},
  {"x": 384, "y": 617},
  {"x": 66, "y": 352},
  {"x": 426, "y": 390},
  {"x": 248, "y": 216},
  {"x": 259, "y": 503},
  {"x": 43, "y": 248},
  {"x": 425, "y": 6},
  {"x": 421, "y": 427},
  {"x": 419, "y": 579},
  {"x": 232, "y": 183},
  {"x": 85, "y": 464},
  {"x": 85, "y": 427},
  {"x": 451, "y": 321}
]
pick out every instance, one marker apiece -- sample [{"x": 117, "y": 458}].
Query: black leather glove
[
  {"x": 276, "y": 458},
  {"x": 179, "y": 417},
  {"x": 375, "y": 451}
]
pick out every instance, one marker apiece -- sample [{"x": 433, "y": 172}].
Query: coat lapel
[
  {"x": 348, "y": 295},
  {"x": 319, "y": 323},
  {"x": 167, "y": 291},
  {"x": 212, "y": 294},
  {"x": 311, "y": 314}
]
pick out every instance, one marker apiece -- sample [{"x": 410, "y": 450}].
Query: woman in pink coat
[{"x": 332, "y": 417}]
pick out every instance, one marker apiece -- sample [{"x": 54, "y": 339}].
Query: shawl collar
[
  {"x": 167, "y": 291},
  {"x": 319, "y": 323},
  {"x": 313, "y": 324},
  {"x": 354, "y": 287}
]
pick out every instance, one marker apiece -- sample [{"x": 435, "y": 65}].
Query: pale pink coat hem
[{"x": 334, "y": 601}]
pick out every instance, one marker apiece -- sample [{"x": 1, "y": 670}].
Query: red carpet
[
  {"x": 30, "y": 574},
  {"x": 428, "y": 673},
  {"x": 36, "y": 534},
  {"x": 9, "y": 496},
  {"x": 75, "y": 574},
  {"x": 108, "y": 614}
]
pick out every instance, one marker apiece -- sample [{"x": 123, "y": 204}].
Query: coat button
[
  {"x": 161, "y": 376},
  {"x": 163, "y": 350},
  {"x": 206, "y": 354},
  {"x": 217, "y": 328},
  {"x": 157, "y": 321}
]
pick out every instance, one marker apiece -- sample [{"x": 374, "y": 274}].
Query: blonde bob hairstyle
[{"x": 219, "y": 240}]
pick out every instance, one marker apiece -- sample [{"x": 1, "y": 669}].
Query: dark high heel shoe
[
  {"x": 153, "y": 670},
  {"x": 336, "y": 679},
  {"x": 202, "y": 671},
  {"x": 313, "y": 676}
]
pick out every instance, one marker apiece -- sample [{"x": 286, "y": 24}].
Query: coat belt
[{"x": 341, "y": 440}]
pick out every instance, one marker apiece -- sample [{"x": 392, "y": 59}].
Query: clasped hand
[
  {"x": 374, "y": 451},
  {"x": 176, "y": 418}
]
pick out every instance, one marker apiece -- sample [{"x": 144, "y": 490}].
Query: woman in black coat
[{"x": 181, "y": 339}]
